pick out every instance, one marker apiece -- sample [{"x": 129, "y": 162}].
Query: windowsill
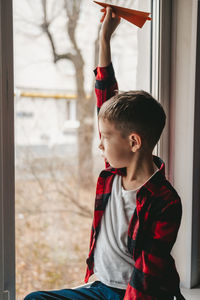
[{"x": 191, "y": 294}]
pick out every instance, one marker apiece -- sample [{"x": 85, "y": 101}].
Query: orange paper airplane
[{"x": 135, "y": 17}]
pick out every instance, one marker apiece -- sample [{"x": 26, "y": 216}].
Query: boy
[{"x": 137, "y": 211}]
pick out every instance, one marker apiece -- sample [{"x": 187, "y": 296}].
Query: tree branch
[
  {"x": 72, "y": 11},
  {"x": 45, "y": 27}
]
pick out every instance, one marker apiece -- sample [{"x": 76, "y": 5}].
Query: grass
[{"x": 52, "y": 238}]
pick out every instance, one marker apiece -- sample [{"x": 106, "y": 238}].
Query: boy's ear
[{"x": 135, "y": 141}]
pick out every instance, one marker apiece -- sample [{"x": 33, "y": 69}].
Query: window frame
[
  {"x": 160, "y": 68},
  {"x": 182, "y": 142},
  {"x": 195, "y": 243},
  {"x": 163, "y": 88},
  {"x": 7, "y": 163}
]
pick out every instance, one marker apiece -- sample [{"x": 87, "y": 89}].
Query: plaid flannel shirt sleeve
[
  {"x": 105, "y": 87},
  {"x": 154, "y": 266}
]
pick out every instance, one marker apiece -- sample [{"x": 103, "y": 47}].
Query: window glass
[{"x": 56, "y": 139}]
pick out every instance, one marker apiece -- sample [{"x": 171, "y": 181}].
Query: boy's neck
[{"x": 140, "y": 169}]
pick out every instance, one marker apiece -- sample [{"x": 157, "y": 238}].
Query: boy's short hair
[{"x": 135, "y": 111}]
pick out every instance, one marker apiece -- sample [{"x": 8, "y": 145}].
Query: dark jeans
[{"x": 96, "y": 291}]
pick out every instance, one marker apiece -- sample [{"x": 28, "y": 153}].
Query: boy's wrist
[{"x": 105, "y": 39}]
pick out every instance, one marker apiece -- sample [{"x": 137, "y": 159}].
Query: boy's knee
[{"x": 34, "y": 296}]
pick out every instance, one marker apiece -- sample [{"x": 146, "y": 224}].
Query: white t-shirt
[{"x": 113, "y": 264}]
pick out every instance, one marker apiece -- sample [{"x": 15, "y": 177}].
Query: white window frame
[
  {"x": 179, "y": 92},
  {"x": 179, "y": 21},
  {"x": 160, "y": 70},
  {"x": 7, "y": 182},
  {"x": 182, "y": 160},
  {"x": 195, "y": 251}
]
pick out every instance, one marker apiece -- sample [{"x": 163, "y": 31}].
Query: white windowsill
[{"x": 191, "y": 294}]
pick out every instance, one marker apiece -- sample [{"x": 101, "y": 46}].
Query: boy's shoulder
[
  {"x": 167, "y": 200},
  {"x": 171, "y": 190},
  {"x": 167, "y": 190},
  {"x": 163, "y": 196},
  {"x": 164, "y": 187},
  {"x": 159, "y": 185}
]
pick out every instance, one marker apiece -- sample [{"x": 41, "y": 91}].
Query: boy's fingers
[
  {"x": 103, "y": 17},
  {"x": 108, "y": 12}
]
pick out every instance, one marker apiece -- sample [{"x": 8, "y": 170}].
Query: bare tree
[{"x": 85, "y": 104}]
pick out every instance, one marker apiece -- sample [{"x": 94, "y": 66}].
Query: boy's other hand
[{"x": 110, "y": 22}]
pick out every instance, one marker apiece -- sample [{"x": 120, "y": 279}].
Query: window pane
[{"x": 56, "y": 139}]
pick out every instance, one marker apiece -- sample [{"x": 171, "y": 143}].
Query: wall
[{"x": 182, "y": 100}]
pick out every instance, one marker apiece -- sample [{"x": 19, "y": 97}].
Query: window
[
  {"x": 47, "y": 170},
  {"x": 58, "y": 145}
]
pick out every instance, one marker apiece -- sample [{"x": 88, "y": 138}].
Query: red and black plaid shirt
[{"x": 153, "y": 227}]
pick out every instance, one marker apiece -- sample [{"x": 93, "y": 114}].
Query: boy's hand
[{"x": 110, "y": 22}]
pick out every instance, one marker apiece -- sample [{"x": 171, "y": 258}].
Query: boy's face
[{"x": 116, "y": 149}]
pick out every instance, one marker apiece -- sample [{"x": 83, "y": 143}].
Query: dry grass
[{"x": 52, "y": 238}]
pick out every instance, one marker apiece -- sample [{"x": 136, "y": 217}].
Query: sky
[{"x": 33, "y": 63}]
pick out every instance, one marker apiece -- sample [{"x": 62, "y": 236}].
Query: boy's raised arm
[
  {"x": 106, "y": 84},
  {"x": 110, "y": 23}
]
